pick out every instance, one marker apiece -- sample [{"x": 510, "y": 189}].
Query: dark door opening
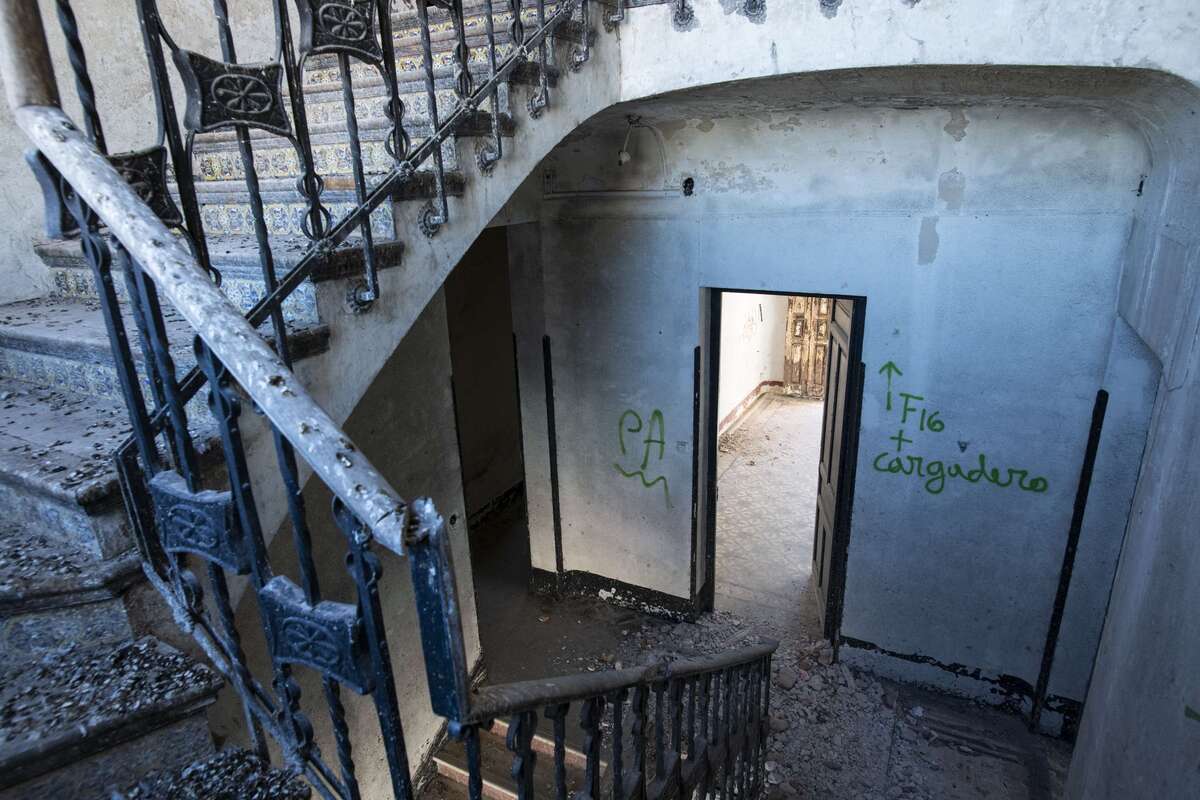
[
  {"x": 782, "y": 390},
  {"x": 484, "y": 375}
]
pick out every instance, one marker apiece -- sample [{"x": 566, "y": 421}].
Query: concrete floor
[
  {"x": 838, "y": 743},
  {"x": 766, "y": 504}
]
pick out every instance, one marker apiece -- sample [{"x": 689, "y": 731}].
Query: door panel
[{"x": 836, "y": 471}]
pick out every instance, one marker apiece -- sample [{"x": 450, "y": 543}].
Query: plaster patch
[
  {"x": 723, "y": 177},
  {"x": 830, "y": 7},
  {"x": 927, "y": 243},
  {"x": 957, "y": 126},
  {"x": 951, "y": 187},
  {"x": 705, "y": 125}
]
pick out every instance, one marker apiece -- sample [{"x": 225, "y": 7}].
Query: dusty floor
[
  {"x": 766, "y": 501},
  {"x": 837, "y": 735}
]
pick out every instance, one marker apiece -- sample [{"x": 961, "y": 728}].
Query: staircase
[{"x": 117, "y": 620}]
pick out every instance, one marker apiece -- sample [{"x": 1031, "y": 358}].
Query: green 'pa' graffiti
[{"x": 655, "y": 428}]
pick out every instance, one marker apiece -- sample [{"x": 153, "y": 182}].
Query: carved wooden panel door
[
  {"x": 806, "y": 345},
  {"x": 839, "y": 445}
]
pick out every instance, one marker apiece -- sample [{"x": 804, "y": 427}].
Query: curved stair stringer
[{"x": 360, "y": 343}]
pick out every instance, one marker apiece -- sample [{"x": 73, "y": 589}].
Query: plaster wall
[
  {"x": 752, "y": 343},
  {"x": 988, "y": 241}
]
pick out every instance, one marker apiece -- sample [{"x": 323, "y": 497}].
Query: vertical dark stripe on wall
[
  {"x": 712, "y": 384},
  {"x": 552, "y": 436},
  {"x": 696, "y": 445},
  {"x": 462, "y": 472},
  {"x": 520, "y": 410},
  {"x": 1068, "y": 565}
]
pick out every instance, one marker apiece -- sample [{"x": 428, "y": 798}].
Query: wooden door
[{"x": 839, "y": 446}]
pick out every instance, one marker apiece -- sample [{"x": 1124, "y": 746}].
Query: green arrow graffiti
[{"x": 890, "y": 369}]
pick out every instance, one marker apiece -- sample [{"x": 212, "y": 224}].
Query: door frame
[{"x": 704, "y": 513}]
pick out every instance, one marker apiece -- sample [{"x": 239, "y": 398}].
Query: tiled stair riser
[
  {"x": 100, "y": 530},
  {"x": 94, "y": 376},
  {"x": 28, "y": 636},
  {"x": 244, "y": 286},
  {"x": 276, "y": 158},
  {"x": 229, "y": 212}
]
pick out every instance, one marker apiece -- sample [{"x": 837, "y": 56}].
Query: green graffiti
[
  {"x": 655, "y": 434},
  {"x": 1191, "y": 713},
  {"x": 889, "y": 369},
  {"x": 934, "y": 472}
]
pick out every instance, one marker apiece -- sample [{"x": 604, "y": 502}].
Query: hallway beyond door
[{"x": 767, "y": 497}]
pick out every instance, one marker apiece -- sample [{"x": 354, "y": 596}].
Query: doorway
[{"x": 783, "y": 399}]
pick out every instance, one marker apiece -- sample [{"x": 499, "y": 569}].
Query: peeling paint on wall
[
  {"x": 951, "y": 187},
  {"x": 927, "y": 243},
  {"x": 830, "y": 7},
  {"x": 957, "y": 126}
]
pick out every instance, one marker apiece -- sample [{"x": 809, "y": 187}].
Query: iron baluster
[
  {"x": 397, "y": 143},
  {"x": 365, "y": 569},
  {"x": 519, "y": 740},
  {"x": 83, "y": 82},
  {"x": 148, "y": 452},
  {"x": 470, "y": 735},
  {"x": 660, "y": 750},
  {"x": 582, "y": 51},
  {"x": 516, "y": 31},
  {"x": 309, "y": 184},
  {"x": 730, "y": 752},
  {"x": 154, "y": 36},
  {"x": 635, "y": 784},
  {"x": 539, "y": 100},
  {"x": 683, "y": 14},
  {"x": 617, "y": 700},
  {"x": 591, "y": 713},
  {"x": 616, "y": 17},
  {"x": 489, "y": 153},
  {"x": 436, "y": 212},
  {"x": 558, "y": 715},
  {"x": 226, "y": 410},
  {"x": 362, "y": 295},
  {"x": 675, "y": 700},
  {"x": 464, "y": 85}
]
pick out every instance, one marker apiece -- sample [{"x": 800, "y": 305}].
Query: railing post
[{"x": 25, "y": 56}]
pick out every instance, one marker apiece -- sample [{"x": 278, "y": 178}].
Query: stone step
[
  {"x": 61, "y": 343},
  {"x": 57, "y": 479},
  {"x": 54, "y": 594},
  {"x": 88, "y": 720},
  {"x": 237, "y": 258},
  {"x": 226, "y": 208},
  {"x": 496, "y": 762},
  {"x": 233, "y": 774}
]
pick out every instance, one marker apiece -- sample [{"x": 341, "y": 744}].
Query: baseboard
[
  {"x": 730, "y": 420},
  {"x": 577, "y": 583}
]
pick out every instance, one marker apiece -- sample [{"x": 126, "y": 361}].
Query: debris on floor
[{"x": 842, "y": 735}]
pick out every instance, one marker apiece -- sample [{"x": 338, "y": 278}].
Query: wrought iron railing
[{"x": 192, "y": 503}]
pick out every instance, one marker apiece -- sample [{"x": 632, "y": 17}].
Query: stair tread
[
  {"x": 496, "y": 762},
  {"x": 35, "y": 569},
  {"x": 233, "y": 774},
  {"x": 83, "y": 697},
  {"x": 74, "y": 328},
  {"x": 59, "y": 441}
]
